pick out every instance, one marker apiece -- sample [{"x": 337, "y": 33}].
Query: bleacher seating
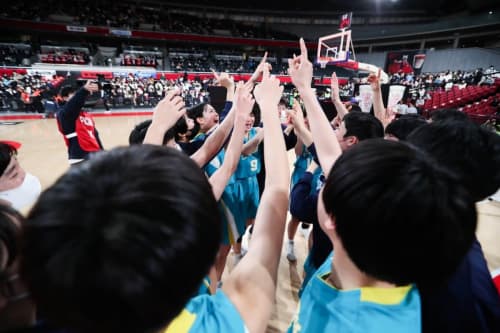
[
  {"x": 15, "y": 54},
  {"x": 141, "y": 56},
  {"x": 64, "y": 55},
  {"x": 186, "y": 60},
  {"x": 483, "y": 110},
  {"x": 456, "y": 97}
]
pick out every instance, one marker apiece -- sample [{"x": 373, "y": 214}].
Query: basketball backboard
[{"x": 334, "y": 48}]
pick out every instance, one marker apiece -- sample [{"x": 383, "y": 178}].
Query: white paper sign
[
  {"x": 366, "y": 98},
  {"x": 395, "y": 95}
]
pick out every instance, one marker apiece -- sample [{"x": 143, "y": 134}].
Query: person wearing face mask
[{"x": 17, "y": 187}]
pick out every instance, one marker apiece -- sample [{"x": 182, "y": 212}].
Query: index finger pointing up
[
  {"x": 303, "y": 48},
  {"x": 265, "y": 73},
  {"x": 264, "y": 58}
]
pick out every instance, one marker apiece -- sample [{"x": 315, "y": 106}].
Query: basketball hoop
[
  {"x": 338, "y": 49},
  {"x": 323, "y": 61}
]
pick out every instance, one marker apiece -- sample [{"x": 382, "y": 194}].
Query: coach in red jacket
[{"x": 77, "y": 125}]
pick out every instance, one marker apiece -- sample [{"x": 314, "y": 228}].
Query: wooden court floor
[{"x": 44, "y": 154}]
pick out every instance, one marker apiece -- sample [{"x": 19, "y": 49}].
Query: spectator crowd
[{"x": 132, "y": 16}]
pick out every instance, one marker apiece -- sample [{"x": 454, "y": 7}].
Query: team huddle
[{"x": 136, "y": 239}]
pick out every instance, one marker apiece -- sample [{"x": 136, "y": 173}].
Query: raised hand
[
  {"x": 243, "y": 101},
  {"x": 300, "y": 68},
  {"x": 260, "y": 68},
  {"x": 374, "y": 80},
  {"x": 169, "y": 110},
  {"x": 269, "y": 91},
  {"x": 296, "y": 115},
  {"x": 326, "y": 143},
  {"x": 91, "y": 86},
  {"x": 241, "y": 88},
  {"x": 224, "y": 79},
  {"x": 334, "y": 85}
]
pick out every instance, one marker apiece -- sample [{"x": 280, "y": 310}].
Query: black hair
[
  {"x": 404, "y": 125},
  {"x": 356, "y": 108},
  {"x": 448, "y": 114},
  {"x": 363, "y": 126},
  {"x": 256, "y": 112},
  {"x": 471, "y": 152},
  {"x": 121, "y": 242},
  {"x": 6, "y": 153},
  {"x": 138, "y": 134},
  {"x": 401, "y": 218},
  {"x": 196, "y": 112},
  {"x": 9, "y": 233},
  {"x": 66, "y": 90}
]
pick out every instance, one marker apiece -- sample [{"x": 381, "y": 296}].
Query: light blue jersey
[
  {"x": 208, "y": 314},
  {"x": 323, "y": 308},
  {"x": 216, "y": 163},
  {"x": 300, "y": 166},
  {"x": 248, "y": 166},
  {"x": 229, "y": 206},
  {"x": 246, "y": 184}
]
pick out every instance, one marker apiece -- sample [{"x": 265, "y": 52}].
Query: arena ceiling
[{"x": 379, "y": 6}]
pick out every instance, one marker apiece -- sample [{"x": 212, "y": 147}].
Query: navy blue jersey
[
  {"x": 303, "y": 205},
  {"x": 468, "y": 303}
]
